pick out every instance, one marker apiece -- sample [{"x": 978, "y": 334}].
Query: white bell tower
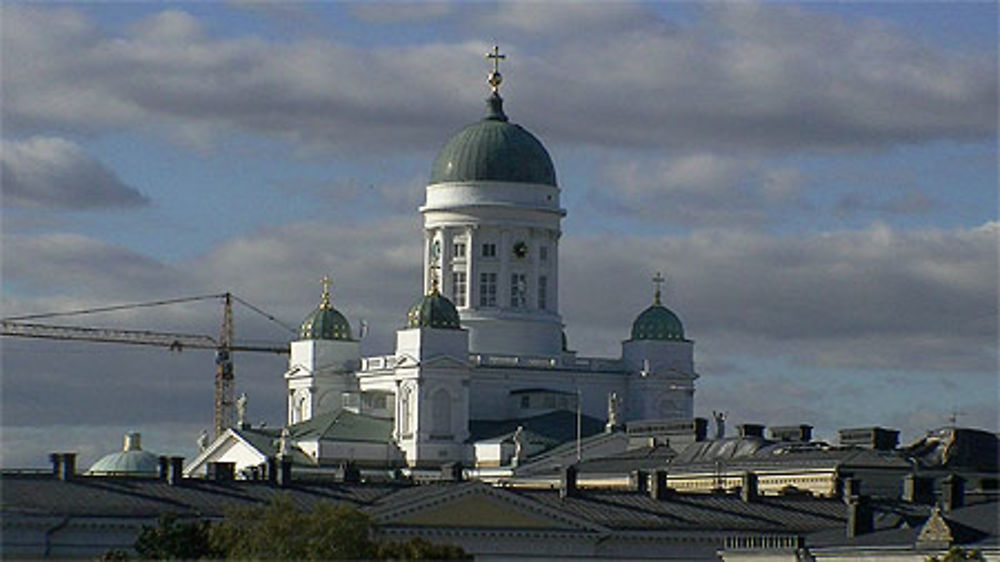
[{"x": 492, "y": 225}]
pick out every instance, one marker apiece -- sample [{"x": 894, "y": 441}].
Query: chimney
[
  {"x": 221, "y": 471},
  {"x": 700, "y": 429},
  {"x": 748, "y": 487},
  {"x": 641, "y": 481},
  {"x": 849, "y": 487},
  {"x": 952, "y": 492},
  {"x": 877, "y": 438},
  {"x": 751, "y": 430},
  {"x": 284, "y": 475},
  {"x": 793, "y": 433},
  {"x": 658, "y": 489},
  {"x": 918, "y": 489},
  {"x": 860, "y": 518},
  {"x": 451, "y": 471},
  {"x": 176, "y": 473},
  {"x": 68, "y": 469},
  {"x": 163, "y": 471},
  {"x": 272, "y": 470},
  {"x": 351, "y": 473},
  {"x": 567, "y": 486},
  {"x": 57, "y": 460}
]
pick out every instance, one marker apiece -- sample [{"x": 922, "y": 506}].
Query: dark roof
[
  {"x": 558, "y": 426},
  {"x": 760, "y": 453},
  {"x": 642, "y": 458},
  {"x": 823, "y": 521},
  {"x": 344, "y": 425}
]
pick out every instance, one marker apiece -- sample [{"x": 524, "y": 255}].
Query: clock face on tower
[{"x": 520, "y": 250}]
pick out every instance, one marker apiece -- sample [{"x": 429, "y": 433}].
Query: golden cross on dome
[
  {"x": 659, "y": 280},
  {"x": 495, "y": 77},
  {"x": 325, "y": 302}
]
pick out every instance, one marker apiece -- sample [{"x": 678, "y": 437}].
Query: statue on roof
[
  {"x": 241, "y": 410},
  {"x": 203, "y": 440}
]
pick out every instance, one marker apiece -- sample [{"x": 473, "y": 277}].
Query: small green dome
[
  {"x": 433, "y": 311},
  {"x": 130, "y": 461},
  {"x": 657, "y": 323},
  {"x": 325, "y": 322},
  {"x": 494, "y": 150}
]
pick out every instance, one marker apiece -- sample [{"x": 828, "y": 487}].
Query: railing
[{"x": 590, "y": 364}]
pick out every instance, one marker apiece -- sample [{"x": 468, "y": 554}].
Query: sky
[{"x": 817, "y": 181}]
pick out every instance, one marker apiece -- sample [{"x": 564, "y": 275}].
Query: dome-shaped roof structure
[
  {"x": 130, "y": 461},
  {"x": 433, "y": 310},
  {"x": 494, "y": 150},
  {"x": 325, "y": 322},
  {"x": 657, "y": 323}
]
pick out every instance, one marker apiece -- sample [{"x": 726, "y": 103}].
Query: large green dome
[
  {"x": 494, "y": 150},
  {"x": 433, "y": 311},
  {"x": 325, "y": 322},
  {"x": 657, "y": 323}
]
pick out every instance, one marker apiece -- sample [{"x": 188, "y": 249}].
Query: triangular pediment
[
  {"x": 479, "y": 506},
  {"x": 229, "y": 445}
]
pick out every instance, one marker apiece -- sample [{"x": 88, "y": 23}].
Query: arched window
[
  {"x": 302, "y": 409},
  {"x": 441, "y": 412}
]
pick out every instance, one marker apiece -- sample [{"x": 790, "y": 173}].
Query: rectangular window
[
  {"x": 487, "y": 289},
  {"x": 543, "y": 296},
  {"x": 459, "y": 250},
  {"x": 518, "y": 291},
  {"x": 458, "y": 288},
  {"x": 525, "y": 402},
  {"x": 489, "y": 250},
  {"x": 543, "y": 253}
]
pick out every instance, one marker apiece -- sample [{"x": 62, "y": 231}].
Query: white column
[{"x": 472, "y": 284}]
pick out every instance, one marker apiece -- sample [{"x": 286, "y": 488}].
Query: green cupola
[
  {"x": 494, "y": 149},
  {"x": 433, "y": 310},
  {"x": 657, "y": 322},
  {"x": 325, "y": 322}
]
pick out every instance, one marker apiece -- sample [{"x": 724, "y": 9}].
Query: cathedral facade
[{"x": 483, "y": 347}]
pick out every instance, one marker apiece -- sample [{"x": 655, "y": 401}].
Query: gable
[
  {"x": 480, "y": 512},
  {"x": 478, "y": 506}
]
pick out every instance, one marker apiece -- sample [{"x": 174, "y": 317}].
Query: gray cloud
[
  {"x": 56, "y": 173},
  {"x": 757, "y": 77},
  {"x": 699, "y": 189}
]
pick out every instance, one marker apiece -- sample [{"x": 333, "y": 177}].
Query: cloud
[
  {"x": 699, "y": 189},
  {"x": 401, "y": 12},
  {"x": 736, "y": 75},
  {"x": 909, "y": 202},
  {"x": 52, "y": 172}
]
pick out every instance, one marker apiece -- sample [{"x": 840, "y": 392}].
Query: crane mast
[{"x": 223, "y": 413}]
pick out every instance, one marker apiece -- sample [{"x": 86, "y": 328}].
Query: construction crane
[{"x": 224, "y": 346}]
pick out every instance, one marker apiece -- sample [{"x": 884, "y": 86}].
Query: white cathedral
[{"x": 481, "y": 374}]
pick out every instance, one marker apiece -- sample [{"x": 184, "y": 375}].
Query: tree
[
  {"x": 282, "y": 531},
  {"x": 175, "y": 540}
]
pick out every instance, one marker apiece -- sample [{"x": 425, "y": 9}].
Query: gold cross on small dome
[
  {"x": 495, "y": 78},
  {"x": 325, "y": 302},
  {"x": 658, "y": 280}
]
